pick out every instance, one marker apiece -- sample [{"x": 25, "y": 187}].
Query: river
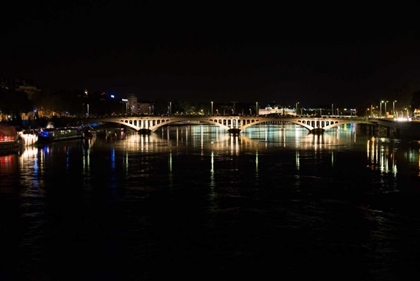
[{"x": 194, "y": 202}]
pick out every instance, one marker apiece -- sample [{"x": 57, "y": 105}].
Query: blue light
[
  {"x": 112, "y": 96},
  {"x": 45, "y": 134}
]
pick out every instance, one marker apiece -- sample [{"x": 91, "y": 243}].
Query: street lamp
[
  {"x": 234, "y": 108},
  {"x": 296, "y": 108},
  {"x": 211, "y": 108},
  {"x": 393, "y": 108},
  {"x": 87, "y": 103},
  {"x": 257, "y": 109},
  {"x": 332, "y": 109},
  {"x": 385, "y": 108},
  {"x": 380, "y": 108}
]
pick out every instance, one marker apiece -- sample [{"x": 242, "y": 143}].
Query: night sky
[{"x": 121, "y": 50}]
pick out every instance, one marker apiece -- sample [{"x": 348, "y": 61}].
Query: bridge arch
[
  {"x": 311, "y": 124},
  {"x": 153, "y": 123}
]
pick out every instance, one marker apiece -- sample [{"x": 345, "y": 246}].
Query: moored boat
[
  {"x": 9, "y": 140},
  {"x": 58, "y": 134}
]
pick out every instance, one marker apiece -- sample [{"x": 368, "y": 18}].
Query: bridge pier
[
  {"x": 317, "y": 131},
  {"x": 144, "y": 131},
  {"x": 234, "y": 131}
]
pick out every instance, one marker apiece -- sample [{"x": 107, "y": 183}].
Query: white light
[{"x": 402, "y": 119}]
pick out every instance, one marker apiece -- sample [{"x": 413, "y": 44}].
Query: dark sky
[{"x": 121, "y": 50}]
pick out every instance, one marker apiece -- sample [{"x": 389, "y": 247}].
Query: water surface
[{"x": 194, "y": 202}]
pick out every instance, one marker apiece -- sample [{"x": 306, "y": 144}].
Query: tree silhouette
[
  {"x": 415, "y": 100},
  {"x": 14, "y": 103}
]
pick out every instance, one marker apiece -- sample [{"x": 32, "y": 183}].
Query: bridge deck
[{"x": 236, "y": 123}]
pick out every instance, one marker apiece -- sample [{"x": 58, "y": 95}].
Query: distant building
[
  {"x": 146, "y": 108},
  {"x": 132, "y": 104},
  {"x": 276, "y": 110},
  {"x": 23, "y": 85}
]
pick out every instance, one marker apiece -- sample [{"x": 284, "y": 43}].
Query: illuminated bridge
[{"x": 232, "y": 124}]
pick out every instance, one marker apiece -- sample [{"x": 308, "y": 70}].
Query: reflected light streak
[
  {"x": 29, "y": 161},
  {"x": 86, "y": 160},
  {"x": 419, "y": 162},
  {"x": 6, "y": 163},
  {"x": 202, "y": 140},
  {"x": 171, "y": 183},
  {"x": 67, "y": 158},
  {"x": 113, "y": 159},
  {"x": 126, "y": 163},
  {"x": 256, "y": 164},
  {"x": 383, "y": 160},
  {"x": 394, "y": 163},
  {"x": 381, "y": 155},
  {"x": 212, "y": 169},
  {"x": 297, "y": 133},
  {"x": 186, "y": 137}
]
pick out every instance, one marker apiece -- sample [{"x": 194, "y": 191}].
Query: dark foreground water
[{"x": 195, "y": 203}]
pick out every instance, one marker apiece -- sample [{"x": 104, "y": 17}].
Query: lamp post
[
  {"x": 332, "y": 109},
  {"x": 87, "y": 103},
  {"x": 234, "y": 109},
  {"x": 393, "y": 108},
  {"x": 380, "y": 108},
  {"x": 211, "y": 108},
  {"x": 257, "y": 109},
  {"x": 296, "y": 108},
  {"x": 385, "y": 108}
]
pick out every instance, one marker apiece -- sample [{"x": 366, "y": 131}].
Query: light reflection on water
[
  {"x": 382, "y": 154},
  {"x": 186, "y": 194}
]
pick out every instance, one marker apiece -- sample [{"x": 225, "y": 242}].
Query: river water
[{"x": 193, "y": 202}]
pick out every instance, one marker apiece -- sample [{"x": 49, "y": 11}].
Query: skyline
[{"x": 62, "y": 48}]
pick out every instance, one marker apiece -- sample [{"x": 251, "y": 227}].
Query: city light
[{"x": 403, "y": 119}]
